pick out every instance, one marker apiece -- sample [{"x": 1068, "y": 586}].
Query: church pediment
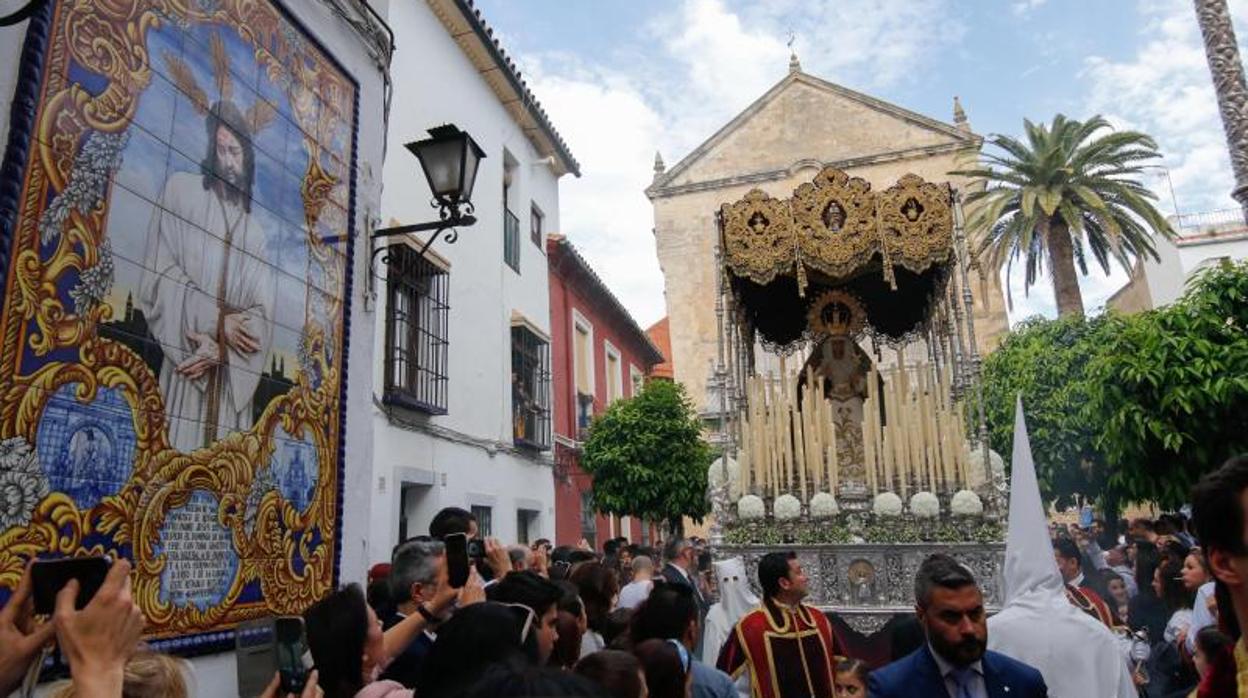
[{"x": 804, "y": 122}]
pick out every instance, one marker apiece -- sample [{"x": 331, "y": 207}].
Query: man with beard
[
  {"x": 206, "y": 293},
  {"x": 784, "y": 647},
  {"x": 955, "y": 662}
]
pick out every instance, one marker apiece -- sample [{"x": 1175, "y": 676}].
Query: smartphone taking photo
[
  {"x": 458, "y": 565},
  {"x": 290, "y": 646},
  {"x": 255, "y": 655},
  {"x": 48, "y": 577}
]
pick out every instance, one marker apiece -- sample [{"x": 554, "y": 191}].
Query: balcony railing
[{"x": 1194, "y": 223}]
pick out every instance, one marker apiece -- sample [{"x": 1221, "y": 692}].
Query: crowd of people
[
  {"x": 1154, "y": 581},
  {"x": 636, "y": 621}
]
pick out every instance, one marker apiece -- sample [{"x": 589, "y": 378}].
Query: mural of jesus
[{"x": 207, "y": 293}]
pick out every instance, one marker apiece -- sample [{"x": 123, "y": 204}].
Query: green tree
[
  {"x": 1046, "y": 361},
  {"x": 648, "y": 457},
  {"x": 1070, "y": 182},
  {"x": 1170, "y": 388}
]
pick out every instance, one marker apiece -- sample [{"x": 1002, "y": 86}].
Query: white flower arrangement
[
  {"x": 975, "y": 465},
  {"x": 786, "y": 508},
  {"x": 715, "y": 476},
  {"x": 886, "y": 504},
  {"x": 824, "y": 506},
  {"x": 925, "y": 505},
  {"x": 751, "y": 507},
  {"x": 966, "y": 503}
]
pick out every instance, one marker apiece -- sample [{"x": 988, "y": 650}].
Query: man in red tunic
[{"x": 784, "y": 646}]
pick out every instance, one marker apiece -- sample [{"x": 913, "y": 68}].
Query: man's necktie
[{"x": 962, "y": 678}]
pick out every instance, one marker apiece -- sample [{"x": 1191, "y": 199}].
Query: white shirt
[
  {"x": 634, "y": 593},
  {"x": 977, "y": 687},
  {"x": 591, "y": 642},
  {"x": 428, "y": 633},
  {"x": 1201, "y": 618},
  {"x": 1179, "y": 620}
]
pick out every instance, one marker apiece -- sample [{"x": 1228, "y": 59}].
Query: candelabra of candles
[{"x": 795, "y": 439}]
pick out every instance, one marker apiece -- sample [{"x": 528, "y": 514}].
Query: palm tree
[{"x": 1067, "y": 186}]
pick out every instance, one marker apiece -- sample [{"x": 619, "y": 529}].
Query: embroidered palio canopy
[{"x": 891, "y": 250}]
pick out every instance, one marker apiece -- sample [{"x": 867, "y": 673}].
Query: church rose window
[
  {"x": 530, "y": 388},
  {"x": 416, "y": 331}
]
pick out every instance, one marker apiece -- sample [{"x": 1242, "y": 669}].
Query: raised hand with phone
[
  {"x": 98, "y": 639},
  {"x": 21, "y": 636}
]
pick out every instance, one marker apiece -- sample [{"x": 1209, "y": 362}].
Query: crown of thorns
[{"x": 256, "y": 117}]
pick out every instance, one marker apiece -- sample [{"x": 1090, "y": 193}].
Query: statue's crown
[{"x": 837, "y": 314}]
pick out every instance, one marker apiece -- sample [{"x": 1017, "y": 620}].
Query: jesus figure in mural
[{"x": 206, "y": 292}]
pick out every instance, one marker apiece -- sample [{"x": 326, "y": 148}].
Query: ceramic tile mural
[{"x": 176, "y": 280}]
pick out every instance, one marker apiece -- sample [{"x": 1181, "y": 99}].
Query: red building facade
[{"x": 598, "y": 355}]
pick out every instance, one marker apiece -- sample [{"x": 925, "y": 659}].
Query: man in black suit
[
  {"x": 680, "y": 567},
  {"x": 955, "y": 661},
  {"x": 417, "y": 573}
]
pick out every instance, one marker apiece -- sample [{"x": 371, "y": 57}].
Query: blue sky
[{"x": 624, "y": 79}]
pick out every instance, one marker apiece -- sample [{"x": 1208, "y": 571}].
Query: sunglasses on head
[
  {"x": 530, "y": 619},
  {"x": 684, "y": 655}
]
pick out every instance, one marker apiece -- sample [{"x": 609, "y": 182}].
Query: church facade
[{"x": 799, "y": 126}]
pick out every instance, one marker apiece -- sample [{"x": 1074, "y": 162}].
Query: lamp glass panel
[
  {"x": 442, "y": 161},
  {"x": 472, "y": 159}
]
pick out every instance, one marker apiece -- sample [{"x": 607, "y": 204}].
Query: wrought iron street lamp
[{"x": 450, "y": 159}]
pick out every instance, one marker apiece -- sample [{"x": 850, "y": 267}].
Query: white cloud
[
  {"x": 1025, "y": 7},
  {"x": 1164, "y": 89},
  {"x": 706, "y": 62},
  {"x": 611, "y": 130}
]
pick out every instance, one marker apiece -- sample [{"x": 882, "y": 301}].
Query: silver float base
[{"x": 867, "y": 584}]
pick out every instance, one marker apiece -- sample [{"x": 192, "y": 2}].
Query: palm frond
[
  {"x": 1082, "y": 175},
  {"x": 184, "y": 78},
  {"x": 221, "y": 67}
]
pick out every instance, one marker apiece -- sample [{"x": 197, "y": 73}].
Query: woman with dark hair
[
  {"x": 618, "y": 672},
  {"x": 1215, "y": 662},
  {"x": 1169, "y": 674},
  {"x": 666, "y": 665},
  {"x": 851, "y": 678},
  {"x": 568, "y": 646},
  {"x": 348, "y": 647},
  {"x": 1169, "y": 587},
  {"x": 472, "y": 641},
  {"x": 617, "y": 627},
  {"x": 1146, "y": 609},
  {"x": 598, "y": 587},
  {"x": 1119, "y": 599}
]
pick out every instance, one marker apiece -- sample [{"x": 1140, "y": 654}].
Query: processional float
[{"x": 847, "y": 384}]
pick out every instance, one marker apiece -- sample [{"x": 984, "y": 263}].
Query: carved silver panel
[{"x": 866, "y": 584}]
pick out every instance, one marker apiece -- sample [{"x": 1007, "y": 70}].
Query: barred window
[
  {"x": 530, "y": 388},
  {"x": 417, "y": 291},
  {"x": 485, "y": 520}
]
